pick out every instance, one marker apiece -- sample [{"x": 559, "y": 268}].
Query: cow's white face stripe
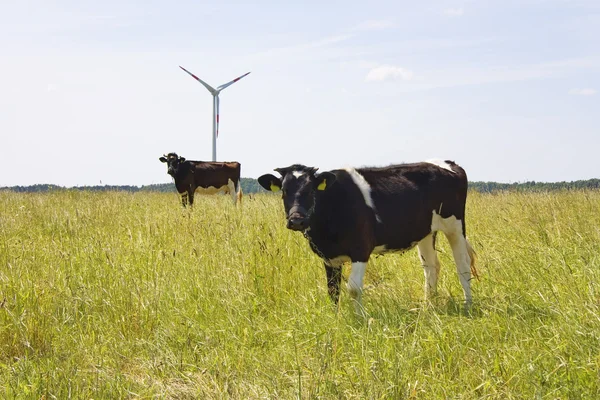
[
  {"x": 297, "y": 174},
  {"x": 364, "y": 187},
  {"x": 440, "y": 163}
]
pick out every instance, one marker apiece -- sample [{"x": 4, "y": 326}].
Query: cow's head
[
  {"x": 299, "y": 185},
  {"x": 173, "y": 162}
]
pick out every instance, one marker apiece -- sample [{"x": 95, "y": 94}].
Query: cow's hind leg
[
  {"x": 239, "y": 193},
  {"x": 430, "y": 263},
  {"x": 232, "y": 192},
  {"x": 453, "y": 229}
]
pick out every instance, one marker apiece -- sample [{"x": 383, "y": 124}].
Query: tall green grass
[{"x": 117, "y": 295}]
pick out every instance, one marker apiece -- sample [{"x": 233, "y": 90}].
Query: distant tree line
[
  {"x": 250, "y": 185},
  {"x": 533, "y": 186}
]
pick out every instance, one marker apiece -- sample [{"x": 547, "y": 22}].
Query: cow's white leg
[
  {"x": 463, "y": 263},
  {"x": 453, "y": 230},
  {"x": 355, "y": 284},
  {"x": 458, "y": 242},
  {"x": 430, "y": 263},
  {"x": 232, "y": 192},
  {"x": 239, "y": 193}
]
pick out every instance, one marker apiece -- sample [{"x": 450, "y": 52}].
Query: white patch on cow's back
[
  {"x": 441, "y": 163},
  {"x": 297, "y": 174},
  {"x": 364, "y": 187}
]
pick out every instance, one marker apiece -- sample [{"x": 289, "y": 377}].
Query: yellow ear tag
[
  {"x": 274, "y": 188},
  {"x": 322, "y": 185}
]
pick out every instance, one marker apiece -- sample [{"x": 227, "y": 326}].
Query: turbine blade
[
  {"x": 206, "y": 85},
  {"x": 217, "y": 122},
  {"x": 223, "y": 86}
]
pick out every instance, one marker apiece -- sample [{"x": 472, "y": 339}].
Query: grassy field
[{"x": 117, "y": 295}]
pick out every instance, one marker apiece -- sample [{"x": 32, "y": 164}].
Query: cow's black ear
[
  {"x": 181, "y": 159},
  {"x": 325, "y": 180},
  {"x": 162, "y": 159},
  {"x": 270, "y": 182}
]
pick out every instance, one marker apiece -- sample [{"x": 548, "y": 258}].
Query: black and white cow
[
  {"x": 204, "y": 177},
  {"x": 348, "y": 214}
]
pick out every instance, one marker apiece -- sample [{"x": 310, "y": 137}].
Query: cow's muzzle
[{"x": 298, "y": 219}]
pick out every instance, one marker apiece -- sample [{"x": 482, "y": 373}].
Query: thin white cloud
[
  {"x": 328, "y": 40},
  {"x": 53, "y": 21},
  {"x": 455, "y": 12},
  {"x": 446, "y": 77},
  {"x": 575, "y": 63},
  {"x": 388, "y": 73},
  {"x": 374, "y": 25},
  {"x": 583, "y": 92}
]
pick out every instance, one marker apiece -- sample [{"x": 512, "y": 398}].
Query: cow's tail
[{"x": 473, "y": 257}]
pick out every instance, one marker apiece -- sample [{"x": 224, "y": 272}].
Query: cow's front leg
[
  {"x": 334, "y": 277},
  {"x": 355, "y": 284}
]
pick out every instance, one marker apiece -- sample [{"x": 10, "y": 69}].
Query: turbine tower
[{"x": 215, "y": 94}]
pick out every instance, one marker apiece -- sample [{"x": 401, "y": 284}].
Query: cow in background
[
  {"x": 348, "y": 214},
  {"x": 204, "y": 177}
]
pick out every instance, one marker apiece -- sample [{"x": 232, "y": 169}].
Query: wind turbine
[{"x": 215, "y": 94}]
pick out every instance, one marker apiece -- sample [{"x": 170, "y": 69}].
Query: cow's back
[
  {"x": 216, "y": 174},
  {"x": 405, "y": 197}
]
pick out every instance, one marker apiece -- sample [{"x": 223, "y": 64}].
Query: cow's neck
[
  {"x": 183, "y": 170},
  {"x": 317, "y": 229}
]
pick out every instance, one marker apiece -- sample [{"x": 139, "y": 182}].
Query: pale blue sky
[{"x": 91, "y": 91}]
